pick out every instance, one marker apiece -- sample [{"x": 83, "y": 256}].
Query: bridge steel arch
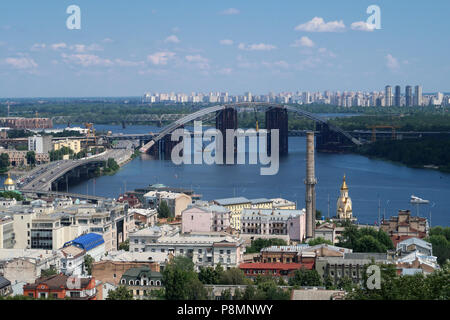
[{"x": 198, "y": 114}]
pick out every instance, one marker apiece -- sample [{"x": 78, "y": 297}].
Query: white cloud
[
  {"x": 310, "y": 62},
  {"x": 230, "y": 11},
  {"x": 57, "y": 46},
  {"x": 172, "y": 39},
  {"x": 317, "y": 24},
  {"x": 392, "y": 63},
  {"x": 256, "y": 47},
  {"x": 362, "y": 26},
  {"x": 86, "y": 60},
  {"x": 127, "y": 63},
  {"x": 326, "y": 53},
  {"x": 22, "y": 63},
  {"x": 225, "y": 71},
  {"x": 160, "y": 58},
  {"x": 277, "y": 64},
  {"x": 38, "y": 46},
  {"x": 303, "y": 42},
  {"x": 84, "y": 48},
  {"x": 198, "y": 60},
  {"x": 107, "y": 40},
  {"x": 226, "y": 42}
]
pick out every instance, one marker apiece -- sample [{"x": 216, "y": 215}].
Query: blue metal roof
[{"x": 86, "y": 241}]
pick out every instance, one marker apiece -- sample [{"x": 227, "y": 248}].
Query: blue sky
[{"x": 125, "y": 48}]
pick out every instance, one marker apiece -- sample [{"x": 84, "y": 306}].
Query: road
[{"x": 42, "y": 177}]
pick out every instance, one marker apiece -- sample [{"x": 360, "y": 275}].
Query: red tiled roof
[{"x": 277, "y": 266}]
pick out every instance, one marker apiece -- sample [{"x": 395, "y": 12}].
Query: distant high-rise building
[
  {"x": 388, "y": 96},
  {"x": 398, "y": 95},
  {"x": 418, "y": 96},
  {"x": 408, "y": 96}
]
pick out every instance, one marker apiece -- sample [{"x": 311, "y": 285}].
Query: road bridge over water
[{"x": 58, "y": 173}]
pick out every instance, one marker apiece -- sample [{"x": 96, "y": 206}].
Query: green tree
[
  {"x": 31, "y": 158},
  {"x": 48, "y": 272},
  {"x": 4, "y": 162},
  {"x": 439, "y": 237},
  {"x": 181, "y": 281},
  {"x": 319, "y": 240},
  {"x": 365, "y": 239},
  {"x": 125, "y": 245},
  {"x": 163, "y": 210},
  {"x": 12, "y": 195},
  {"x": 304, "y": 277},
  {"x": 88, "y": 261},
  {"x": 260, "y": 243},
  {"x": 233, "y": 276},
  {"x": 210, "y": 275},
  {"x": 120, "y": 293}
]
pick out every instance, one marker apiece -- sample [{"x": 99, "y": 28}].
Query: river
[{"x": 370, "y": 181}]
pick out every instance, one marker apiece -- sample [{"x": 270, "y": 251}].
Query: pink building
[{"x": 205, "y": 219}]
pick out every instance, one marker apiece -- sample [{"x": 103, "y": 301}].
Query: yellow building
[
  {"x": 73, "y": 144},
  {"x": 235, "y": 205},
  {"x": 344, "y": 203}
]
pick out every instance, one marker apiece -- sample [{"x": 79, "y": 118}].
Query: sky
[{"x": 127, "y": 48}]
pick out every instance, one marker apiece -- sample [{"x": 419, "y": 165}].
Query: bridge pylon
[
  {"x": 227, "y": 119},
  {"x": 277, "y": 118}
]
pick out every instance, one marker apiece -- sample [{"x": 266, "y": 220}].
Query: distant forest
[{"x": 412, "y": 152}]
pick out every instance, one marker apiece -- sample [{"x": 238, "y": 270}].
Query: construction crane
[
  {"x": 91, "y": 131},
  {"x": 374, "y": 131}
]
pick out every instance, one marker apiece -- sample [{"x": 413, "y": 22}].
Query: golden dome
[
  {"x": 9, "y": 181},
  {"x": 344, "y": 185}
]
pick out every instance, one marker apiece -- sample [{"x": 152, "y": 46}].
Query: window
[
  {"x": 74, "y": 294},
  {"x": 123, "y": 281},
  {"x": 228, "y": 251},
  {"x": 199, "y": 250},
  {"x": 181, "y": 251},
  {"x": 54, "y": 295},
  {"x": 163, "y": 250},
  {"x": 31, "y": 295},
  {"x": 158, "y": 283},
  {"x": 131, "y": 282},
  {"x": 221, "y": 251}
]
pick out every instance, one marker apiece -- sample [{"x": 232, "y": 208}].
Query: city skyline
[{"x": 206, "y": 46}]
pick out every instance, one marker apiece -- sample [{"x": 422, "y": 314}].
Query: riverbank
[{"x": 425, "y": 153}]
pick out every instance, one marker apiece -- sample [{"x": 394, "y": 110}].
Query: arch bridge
[{"x": 329, "y": 139}]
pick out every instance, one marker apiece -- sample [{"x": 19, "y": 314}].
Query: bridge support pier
[
  {"x": 277, "y": 118},
  {"x": 163, "y": 149},
  {"x": 226, "y": 119},
  {"x": 330, "y": 141}
]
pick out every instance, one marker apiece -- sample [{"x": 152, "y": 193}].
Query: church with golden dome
[
  {"x": 344, "y": 203},
  {"x": 9, "y": 184}
]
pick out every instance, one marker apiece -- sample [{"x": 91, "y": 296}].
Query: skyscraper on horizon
[
  {"x": 398, "y": 95},
  {"x": 388, "y": 96},
  {"x": 408, "y": 96},
  {"x": 418, "y": 99}
]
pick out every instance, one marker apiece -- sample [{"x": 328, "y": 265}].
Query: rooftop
[
  {"x": 87, "y": 241},
  {"x": 231, "y": 201}
]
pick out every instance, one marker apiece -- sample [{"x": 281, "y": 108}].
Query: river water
[{"x": 370, "y": 181}]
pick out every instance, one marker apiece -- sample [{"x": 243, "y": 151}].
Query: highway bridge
[
  {"x": 40, "y": 193},
  {"x": 52, "y": 175}
]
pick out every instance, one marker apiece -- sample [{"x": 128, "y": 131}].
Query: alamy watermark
[
  {"x": 213, "y": 153},
  {"x": 73, "y": 22}
]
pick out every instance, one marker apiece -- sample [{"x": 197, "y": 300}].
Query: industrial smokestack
[{"x": 310, "y": 183}]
